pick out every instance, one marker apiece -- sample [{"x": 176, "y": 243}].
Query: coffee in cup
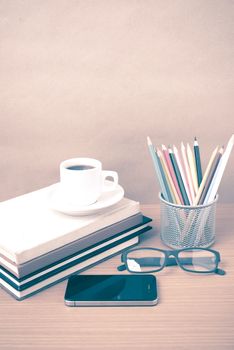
[{"x": 82, "y": 181}]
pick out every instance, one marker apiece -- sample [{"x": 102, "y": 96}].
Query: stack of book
[{"x": 40, "y": 247}]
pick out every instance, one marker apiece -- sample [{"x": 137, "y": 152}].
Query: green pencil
[
  {"x": 156, "y": 166},
  {"x": 211, "y": 175},
  {"x": 170, "y": 199}
]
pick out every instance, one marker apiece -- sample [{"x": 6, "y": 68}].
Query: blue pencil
[{"x": 178, "y": 177}]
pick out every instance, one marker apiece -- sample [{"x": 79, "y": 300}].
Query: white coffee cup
[{"x": 82, "y": 181}]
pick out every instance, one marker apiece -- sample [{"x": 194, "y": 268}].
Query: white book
[
  {"x": 29, "y": 228},
  {"x": 74, "y": 247}
]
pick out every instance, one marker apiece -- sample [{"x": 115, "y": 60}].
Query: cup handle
[{"x": 115, "y": 177}]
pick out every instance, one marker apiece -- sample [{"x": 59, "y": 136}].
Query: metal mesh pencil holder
[{"x": 184, "y": 226}]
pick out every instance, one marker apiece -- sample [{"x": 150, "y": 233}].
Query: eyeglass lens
[
  {"x": 194, "y": 260},
  {"x": 197, "y": 260},
  {"x": 145, "y": 260}
]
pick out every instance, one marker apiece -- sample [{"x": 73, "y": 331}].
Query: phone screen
[{"x": 111, "y": 288}]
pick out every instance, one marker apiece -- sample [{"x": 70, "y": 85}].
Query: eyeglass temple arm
[
  {"x": 122, "y": 267},
  {"x": 150, "y": 261},
  {"x": 170, "y": 262},
  {"x": 158, "y": 261}
]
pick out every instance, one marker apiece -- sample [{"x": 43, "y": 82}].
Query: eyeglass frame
[{"x": 172, "y": 262}]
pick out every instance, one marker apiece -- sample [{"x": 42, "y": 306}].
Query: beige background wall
[{"x": 94, "y": 78}]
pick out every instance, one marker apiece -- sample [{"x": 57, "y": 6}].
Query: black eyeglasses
[{"x": 196, "y": 260}]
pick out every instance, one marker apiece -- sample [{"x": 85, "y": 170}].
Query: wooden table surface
[{"x": 194, "y": 312}]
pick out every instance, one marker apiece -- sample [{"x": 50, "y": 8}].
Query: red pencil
[{"x": 171, "y": 170}]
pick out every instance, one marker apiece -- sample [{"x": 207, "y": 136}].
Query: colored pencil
[
  {"x": 219, "y": 172},
  {"x": 178, "y": 176},
  {"x": 174, "y": 194},
  {"x": 156, "y": 167},
  {"x": 192, "y": 168},
  {"x": 165, "y": 181},
  {"x": 187, "y": 172},
  {"x": 197, "y": 161},
  {"x": 172, "y": 173},
  {"x": 211, "y": 175},
  {"x": 205, "y": 176},
  {"x": 176, "y": 153}
]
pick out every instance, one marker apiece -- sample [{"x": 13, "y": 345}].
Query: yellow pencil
[
  {"x": 205, "y": 176},
  {"x": 174, "y": 194},
  {"x": 186, "y": 187},
  {"x": 188, "y": 172},
  {"x": 192, "y": 168}
]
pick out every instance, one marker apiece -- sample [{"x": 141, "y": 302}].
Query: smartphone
[{"x": 111, "y": 290}]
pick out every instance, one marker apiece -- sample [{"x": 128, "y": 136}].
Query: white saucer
[{"x": 106, "y": 200}]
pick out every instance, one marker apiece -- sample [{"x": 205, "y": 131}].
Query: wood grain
[{"x": 194, "y": 312}]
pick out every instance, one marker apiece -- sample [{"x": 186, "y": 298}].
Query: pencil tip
[{"x": 149, "y": 141}]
